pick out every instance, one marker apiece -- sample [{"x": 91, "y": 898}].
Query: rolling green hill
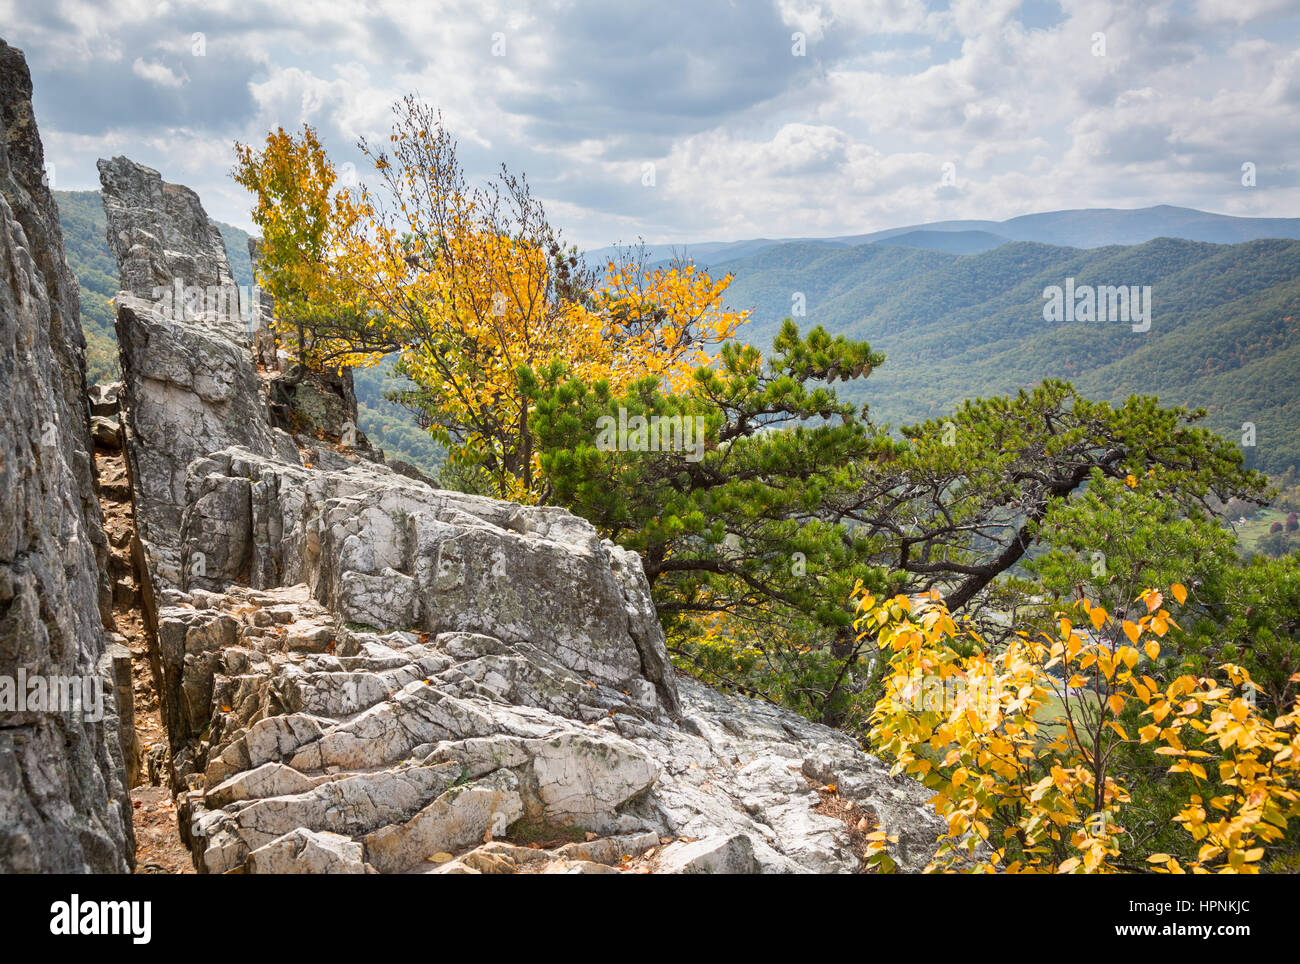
[
  {"x": 82, "y": 218},
  {"x": 954, "y": 242},
  {"x": 1225, "y": 328}
]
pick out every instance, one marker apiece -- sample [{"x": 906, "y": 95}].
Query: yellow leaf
[
  {"x": 1131, "y": 631},
  {"x": 1180, "y": 593}
]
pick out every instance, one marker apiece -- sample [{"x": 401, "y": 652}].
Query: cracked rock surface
[
  {"x": 63, "y": 805},
  {"x": 414, "y": 751},
  {"x": 360, "y": 673}
]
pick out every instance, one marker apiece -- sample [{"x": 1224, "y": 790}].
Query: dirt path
[{"x": 158, "y": 847}]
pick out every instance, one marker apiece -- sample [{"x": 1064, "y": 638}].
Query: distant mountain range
[
  {"x": 1083, "y": 228},
  {"x": 958, "y": 312},
  {"x": 1224, "y": 326},
  {"x": 957, "y": 308}
]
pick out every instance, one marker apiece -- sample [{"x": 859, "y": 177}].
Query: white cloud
[
  {"x": 156, "y": 73},
  {"x": 747, "y": 140},
  {"x": 1242, "y": 11}
]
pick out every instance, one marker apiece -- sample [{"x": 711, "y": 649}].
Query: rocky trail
[
  {"x": 319, "y": 662},
  {"x": 158, "y": 847}
]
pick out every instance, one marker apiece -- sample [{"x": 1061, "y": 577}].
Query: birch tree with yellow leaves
[{"x": 468, "y": 285}]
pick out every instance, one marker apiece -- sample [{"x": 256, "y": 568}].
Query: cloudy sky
[{"x": 775, "y": 118}]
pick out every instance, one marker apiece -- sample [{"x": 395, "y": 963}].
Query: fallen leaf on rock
[{"x": 439, "y": 858}]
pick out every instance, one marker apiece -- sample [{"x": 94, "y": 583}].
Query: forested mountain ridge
[
  {"x": 952, "y": 326},
  {"x": 1077, "y": 228},
  {"x": 1223, "y": 332}
]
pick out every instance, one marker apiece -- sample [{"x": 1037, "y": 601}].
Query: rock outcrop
[
  {"x": 63, "y": 801},
  {"x": 361, "y": 673},
  {"x": 160, "y": 234},
  {"x": 189, "y": 383}
]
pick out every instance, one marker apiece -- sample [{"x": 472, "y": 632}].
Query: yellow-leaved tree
[
  {"x": 1019, "y": 745},
  {"x": 307, "y": 221},
  {"x": 468, "y": 285}
]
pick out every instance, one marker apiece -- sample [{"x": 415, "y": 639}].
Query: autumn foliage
[
  {"x": 1019, "y": 745},
  {"x": 467, "y": 285},
  {"x": 306, "y": 223}
]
